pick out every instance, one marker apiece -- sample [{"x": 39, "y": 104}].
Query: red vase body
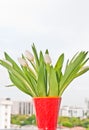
[{"x": 47, "y": 109}]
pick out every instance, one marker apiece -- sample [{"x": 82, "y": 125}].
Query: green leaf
[
  {"x": 41, "y": 81},
  {"x": 58, "y": 67},
  {"x": 53, "y": 85},
  {"x": 41, "y": 59},
  {"x": 59, "y": 63},
  {"x": 32, "y": 70},
  {"x": 19, "y": 77},
  {"x": 31, "y": 80},
  {"x": 71, "y": 70},
  {"x": 46, "y": 52},
  {"x": 36, "y": 56},
  {"x": 15, "y": 66},
  {"x": 59, "y": 75},
  {"x": 18, "y": 84},
  {"x": 10, "y": 85},
  {"x": 82, "y": 71}
]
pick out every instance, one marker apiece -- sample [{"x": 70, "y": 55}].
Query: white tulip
[
  {"x": 22, "y": 62},
  {"x": 47, "y": 59},
  {"x": 29, "y": 55}
]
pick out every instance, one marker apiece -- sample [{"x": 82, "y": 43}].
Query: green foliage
[
  {"x": 73, "y": 121},
  {"x": 85, "y": 123},
  {"x": 30, "y": 120},
  {"x": 39, "y": 78},
  {"x": 18, "y": 119},
  {"x": 64, "y": 121},
  {"x": 87, "y": 128},
  {"x": 67, "y": 124},
  {"x": 23, "y": 120}
]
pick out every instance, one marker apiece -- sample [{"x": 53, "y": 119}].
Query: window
[
  {"x": 5, "y": 120},
  {"x": 6, "y": 113},
  {"x": 5, "y": 126},
  {"x": 6, "y": 106}
]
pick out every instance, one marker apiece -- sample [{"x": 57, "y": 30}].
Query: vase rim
[{"x": 47, "y": 97}]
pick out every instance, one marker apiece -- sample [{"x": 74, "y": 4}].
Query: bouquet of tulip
[{"x": 37, "y": 77}]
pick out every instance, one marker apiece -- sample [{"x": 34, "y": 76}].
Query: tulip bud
[
  {"x": 29, "y": 55},
  {"x": 22, "y": 62},
  {"x": 47, "y": 59},
  {"x": 84, "y": 67}
]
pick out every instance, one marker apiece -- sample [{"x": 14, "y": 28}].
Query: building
[
  {"x": 27, "y": 108},
  {"x": 71, "y": 111},
  {"x": 64, "y": 111},
  {"x": 22, "y": 107},
  {"x": 5, "y": 113}
]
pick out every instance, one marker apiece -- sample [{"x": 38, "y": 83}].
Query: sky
[{"x": 57, "y": 25}]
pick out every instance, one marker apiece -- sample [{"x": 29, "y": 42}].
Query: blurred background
[{"x": 57, "y": 25}]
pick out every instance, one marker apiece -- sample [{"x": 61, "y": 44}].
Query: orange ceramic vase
[{"x": 47, "y": 109}]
